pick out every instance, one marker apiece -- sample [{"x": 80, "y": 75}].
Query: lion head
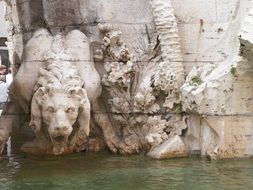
[{"x": 56, "y": 113}]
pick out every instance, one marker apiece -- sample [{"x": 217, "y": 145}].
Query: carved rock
[
  {"x": 172, "y": 148},
  {"x": 169, "y": 78},
  {"x": 60, "y": 92}
]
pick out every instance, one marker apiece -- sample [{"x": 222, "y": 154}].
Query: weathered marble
[
  {"x": 170, "y": 78},
  {"x": 171, "y": 148}
]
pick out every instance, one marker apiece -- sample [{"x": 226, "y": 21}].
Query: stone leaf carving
[
  {"x": 119, "y": 73},
  {"x": 144, "y": 100},
  {"x": 193, "y": 90},
  {"x": 134, "y": 86}
]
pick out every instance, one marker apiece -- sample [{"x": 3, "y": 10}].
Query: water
[{"x": 104, "y": 171}]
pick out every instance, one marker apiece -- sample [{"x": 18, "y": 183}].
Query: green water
[{"x": 105, "y": 171}]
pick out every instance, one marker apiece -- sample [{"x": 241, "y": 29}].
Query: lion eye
[
  {"x": 50, "y": 109},
  {"x": 70, "y": 110}
]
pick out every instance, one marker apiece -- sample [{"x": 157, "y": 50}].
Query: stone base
[
  {"x": 220, "y": 137},
  {"x": 172, "y": 148}
]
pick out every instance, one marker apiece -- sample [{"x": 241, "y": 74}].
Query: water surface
[{"x": 104, "y": 171}]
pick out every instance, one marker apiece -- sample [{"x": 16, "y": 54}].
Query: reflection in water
[
  {"x": 105, "y": 171},
  {"x": 8, "y": 169}
]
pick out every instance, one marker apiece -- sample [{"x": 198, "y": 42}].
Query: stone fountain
[{"x": 154, "y": 76}]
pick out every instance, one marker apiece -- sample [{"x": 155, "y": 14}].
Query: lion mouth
[
  {"x": 59, "y": 139},
  {"x": 59, "y": 144}
]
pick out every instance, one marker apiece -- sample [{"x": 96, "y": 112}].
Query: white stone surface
[
  {"x": 3, "y": 26},
  {"x": 172, "y": 148},
  {"x": 143, "y": 74}
]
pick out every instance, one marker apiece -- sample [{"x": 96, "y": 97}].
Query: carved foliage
[{"x": 134, "y": 86}]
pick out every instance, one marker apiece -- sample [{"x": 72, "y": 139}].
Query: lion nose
[{"x": 61, "y": 128}]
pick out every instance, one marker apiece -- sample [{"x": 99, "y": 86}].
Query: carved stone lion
[{"x": 59, "y": 78}]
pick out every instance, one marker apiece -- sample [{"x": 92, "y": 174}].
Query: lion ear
[
  {"x": 35, "y": 122},
  {"x": 80, "y": 93}
]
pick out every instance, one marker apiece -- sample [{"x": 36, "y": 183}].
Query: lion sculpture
[{"x": 58, "y": 84}]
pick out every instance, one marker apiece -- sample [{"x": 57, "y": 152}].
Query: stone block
[
  {"x": 235, "y": 135},
  {"x": 174, "y": 147}
]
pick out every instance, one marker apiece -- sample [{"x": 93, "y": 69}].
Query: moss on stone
[
  {"x": 233, "y": 71},
  {"x": 196, "y": 80}
]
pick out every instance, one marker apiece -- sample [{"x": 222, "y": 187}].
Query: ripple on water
[{"x": 113, "y": 172}]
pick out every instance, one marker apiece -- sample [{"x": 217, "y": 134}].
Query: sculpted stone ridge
[
  {"x": 169, "y": 76},
  {"x": 150, "y": 103}
]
